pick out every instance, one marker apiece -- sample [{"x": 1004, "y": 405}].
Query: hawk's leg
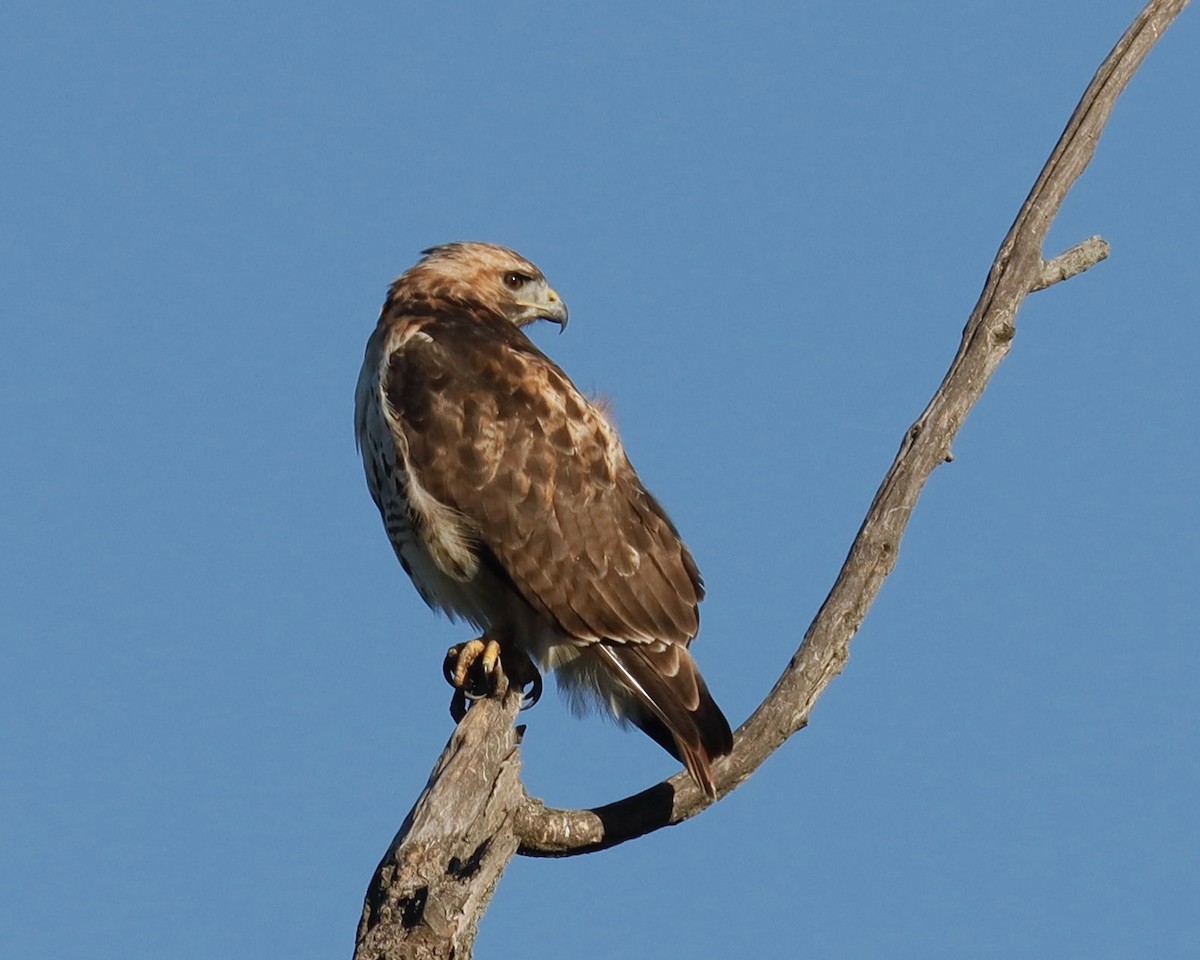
[{"x": 482, "y": 668}]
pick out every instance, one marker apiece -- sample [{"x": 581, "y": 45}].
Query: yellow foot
[
  {"x": 479, "y": 668},
  {"x": 471, "y": 667}
]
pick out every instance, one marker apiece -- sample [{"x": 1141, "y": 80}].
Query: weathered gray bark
[{"x": 435, "y": 882}]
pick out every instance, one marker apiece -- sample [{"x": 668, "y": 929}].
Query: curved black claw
[
  {"x": 472, "y": 692},
  {"x": 531, "y": 698}
]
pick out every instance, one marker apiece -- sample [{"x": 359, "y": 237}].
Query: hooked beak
[{"x": 552, "y": 309}]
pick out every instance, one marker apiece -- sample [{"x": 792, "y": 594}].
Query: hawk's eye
[{"x": 514, "y": 281}]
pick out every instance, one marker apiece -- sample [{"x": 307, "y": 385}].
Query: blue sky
[{"x": 219, "y": 695}]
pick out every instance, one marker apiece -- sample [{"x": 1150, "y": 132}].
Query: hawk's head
[{"x": 484, "y": 273}]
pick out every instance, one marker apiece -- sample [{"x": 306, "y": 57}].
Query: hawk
[{"x": 510, "y": 502}]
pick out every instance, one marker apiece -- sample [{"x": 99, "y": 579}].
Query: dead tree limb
[{"x": 435, "y": 882}]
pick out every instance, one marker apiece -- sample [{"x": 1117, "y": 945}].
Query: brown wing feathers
[{"x": 568, "y": 529}]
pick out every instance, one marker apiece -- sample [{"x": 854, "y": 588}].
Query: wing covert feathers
[{"x": 496, "y": 432}]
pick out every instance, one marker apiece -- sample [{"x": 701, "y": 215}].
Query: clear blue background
[{"x": 219, "y": 694}]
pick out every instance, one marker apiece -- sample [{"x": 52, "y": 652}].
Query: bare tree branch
[
  {"x": 433, "y": 885},
  {"x": 1017, "y": 270},
  {"x": 1083, "y": 256},
  {"x": 436, "y": 880}
]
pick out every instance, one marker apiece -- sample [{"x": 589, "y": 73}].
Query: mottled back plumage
[{"x": 510, "y": 501}]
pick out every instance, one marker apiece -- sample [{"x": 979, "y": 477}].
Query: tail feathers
[{"x": 670, "y": 702}]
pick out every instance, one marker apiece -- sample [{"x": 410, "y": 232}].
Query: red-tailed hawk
[{"x": 511, "y": 504}]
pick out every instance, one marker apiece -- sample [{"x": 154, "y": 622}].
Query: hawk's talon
[
  {"x": 472, "y": 669},
  {"x": 531, "y": 698},
  {"x": 479, "y": 669},
  {"x": 470, "y": 693},
  {"x": 488, "y": 660},
  {"x": 448, "y": 665},
  {"x": 458, "y": 706}
]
